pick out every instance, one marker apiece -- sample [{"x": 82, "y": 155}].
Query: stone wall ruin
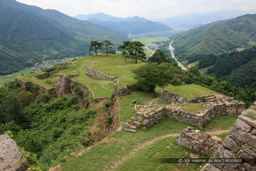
[
  {"x": 97, "y": 74},
  {"x": 199, "y": 141},
  {"x": 239, "y": 144},
  {"x": 145, "y": 121},
  {"x": 43, "y": 76}
]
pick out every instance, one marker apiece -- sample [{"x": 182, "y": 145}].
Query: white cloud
[{"x": 144, "y": 8}]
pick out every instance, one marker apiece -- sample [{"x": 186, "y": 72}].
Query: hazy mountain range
[
  {"x": 29, "y": 34},
  {"x": 198, "y": 19},
  {"x": 130, "y": 25}
]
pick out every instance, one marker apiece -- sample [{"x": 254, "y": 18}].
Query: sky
[{"x": 143, "y": 8}]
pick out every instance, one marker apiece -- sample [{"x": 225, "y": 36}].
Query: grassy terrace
[
  {"x": 11, "y": 77},
  {"x": 112, "y": 65},
  {"x": 126, "y": 111},
  {"x": 144, "y": 149},
  {"x": 191, "y": 107},
  {"x": 189, "y": 91},
  {"x": 118, "y": 145}
]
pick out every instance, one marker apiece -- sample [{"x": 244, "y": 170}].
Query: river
[{"x": 173, "y": 56}]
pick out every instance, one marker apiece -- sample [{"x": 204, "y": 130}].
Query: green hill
[
  {"x": 217, "y": 37},
  {"x": 67, "y": 127},
  {"x": 30, "y": 34},
  {"x": 236, "y": 67}
]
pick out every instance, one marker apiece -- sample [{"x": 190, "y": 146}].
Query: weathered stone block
[
  {"x": 242, "y": 125},
  {"x": 247, "y": 120},
  {"x": 145, "y": 122},
  {"x": 230, "y": 144},
  {"x": 10, "y": 155}
]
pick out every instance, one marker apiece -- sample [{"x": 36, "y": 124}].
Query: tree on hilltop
[
  {"x": 158, "y": 57},
  {"x": 107, "y": 44},
  {"x": 95, "y": 45},
  {"x": 150, "y": 76},
  {"x": 123, "y": 49},
  {"x": 136, "y": 51}
]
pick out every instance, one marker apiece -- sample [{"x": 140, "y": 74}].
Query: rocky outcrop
[
  {"x": 97, "y": 74},
  {"x": 127, "y": 89},
  {"x": 10, "y": 155},
  {"x": 63, "y": 86},
  {"x": 43, "y": 76},
  {"x": 66, "y": 86},
  {"x": 239, "y": 144},
  {"x": 123, "y": 91},
  {"x": 199, "y": 141}
]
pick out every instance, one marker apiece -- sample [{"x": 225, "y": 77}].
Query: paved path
[{"x": 173, "y": 56}]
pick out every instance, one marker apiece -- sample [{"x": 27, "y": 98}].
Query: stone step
[
  {"x": 211, "y": 100},
  {"x": 130, "y": 130},
  {"x": 133, "y": 127},
  {"x": 212, "y": 97}
]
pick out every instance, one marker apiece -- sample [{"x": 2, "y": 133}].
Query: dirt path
[
  {"x": 148, "y": 143},
  {"x": 153, "y": 100}
]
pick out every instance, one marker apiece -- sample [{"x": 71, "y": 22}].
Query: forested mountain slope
[
  {"x": 30, "y": 34},
  {"x": 217, "y": 37},
  {"x": 238, "y": 68}
]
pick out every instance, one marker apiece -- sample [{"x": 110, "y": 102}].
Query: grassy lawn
[
  {"x": 151, "y": 157},
  {"x": 221, "y": 122},
  {"x": 112, "y": 65},
  {"x": 116, "y": 66},
  {"x": 100, "y": 88},
  {"x": 191, "y": 107},
  {"x": 159, "y": 102},
  {"x": 48, "y": 83},
  {"x": 189, "y": 91},
  {"x": 11, "y": 77},
  {"x": 126, "y": 111},
  {"x": 120, "y": 144}
]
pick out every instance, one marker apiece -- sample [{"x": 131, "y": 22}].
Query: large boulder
[{"x": 10, "y": 155}]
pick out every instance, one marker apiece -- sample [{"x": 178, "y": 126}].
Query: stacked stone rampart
[
  {"x": 200, "y": 119},
  {"x": 239, "y": 144},
  {"x": 63, "y": 87},
  {"x": 123, "y": 91},
  {"x": 97, "y": 74},
  {"x": 28, "y": 85},
  {"x": 172, "y": 98},
  {"x": 199, "y": 141}
]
